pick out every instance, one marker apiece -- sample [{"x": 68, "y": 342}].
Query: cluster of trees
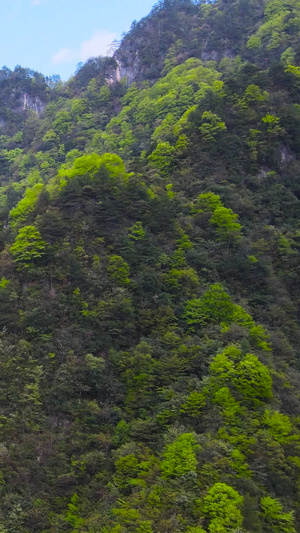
[{"x": 149, "y": 291}]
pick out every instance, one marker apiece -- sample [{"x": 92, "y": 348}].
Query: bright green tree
[
  {"x": 226, "y": 221},
  {"x": 280, "y": 426},
  {"x": 194, "y": 404},
  {"x": 118, "y": 270},
  {"x": 28, "y": 247},
  {"x": 211, "y": 126},
  {"x": 162, "y": 157},
  {"x": 221, "y": 506},
  {"x": 208, "y": 201},
  {"x": 274, "y": 519},
  {"x": 180, "y": 456},
  {"x": 214, "y": 306},
  {"x": 253, "y": 380},
  {"x": 27, "y": 204},
  {"x": 136, "y": 232},
  {"x": 73, "y": 517},
  {"x": 246, "y": 376}
]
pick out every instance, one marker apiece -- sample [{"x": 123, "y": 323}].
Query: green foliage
[
  {"x": 280, "y": 27},
  {"x": 293, "y": 70},
  {"x": 82, "y": 165},
  {"x": 136, "y": 232},
  {"x": 211, "y": 127},
  {"x": 231, "y": 408},
  {"x": 252, "y": 379},
  {"x": 221, "y": 506},
  {"x": 208, "y": 202},
  {"x": 274, "y": 518},
  {"x": 127, "y": 468},
  {"x": 239, "y": 464},
  {"x": 214, "y": 306},
  {"x": 194, "y": 404},
  {"x": 223, "y": 218},
  {"x": 73, "y": 517},
  {"x": 90, "y": 165},
  {"x": 183, "y": 280},
  {"x": 226, "y": 222},
  {"x": 272, "y": 124},
  {"x": 4, "y": 283},
  {"x": 280, "y": 426},
  {"x": 246, "y": 376},
  {"x": 62, "y": 122},
  {"x": 162, "y": 157},
  {"x": 118, "y": 270},
  {"x": 28, "y": 247},
  {"x": 27, "y": 204},
  {"x": 145, "y": 527},
  {"x": 170, "y": 100},
  {"x": 180, "y": 457}
]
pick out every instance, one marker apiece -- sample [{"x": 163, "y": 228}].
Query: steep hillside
[{"x": 149, "y": 287}]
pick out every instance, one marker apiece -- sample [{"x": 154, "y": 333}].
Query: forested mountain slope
[{"x": 149, "y": 287}]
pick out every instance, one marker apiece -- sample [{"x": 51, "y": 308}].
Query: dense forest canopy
[{"x": 149, "y": 286}]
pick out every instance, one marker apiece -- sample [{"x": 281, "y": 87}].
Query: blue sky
[{"x": 53, "y": 36}]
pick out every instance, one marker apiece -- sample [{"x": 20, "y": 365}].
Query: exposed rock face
[
  {"x": 130, "y": 66},
  {"x": 32, "y": 102},
  {"x": 142, "y": 52},
  {"x": 130, "y": 71},
  {"x": 286, "y": 155},
  {"x": 24, "y": 103},
  {"x": 215, "y": 55}
]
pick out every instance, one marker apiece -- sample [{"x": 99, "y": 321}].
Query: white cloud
[
  {"x": 97, "y": 45},
  {"x": 64, "y": 55},
  {"x": 36, "y": 2}
]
